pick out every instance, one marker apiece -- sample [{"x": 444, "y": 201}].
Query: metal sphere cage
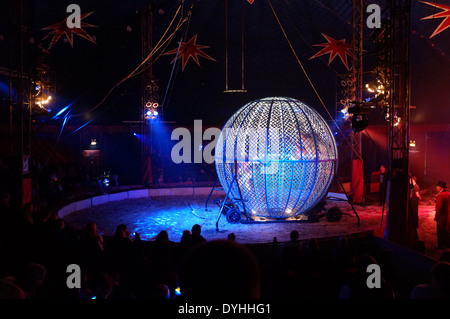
[{"x": 276, "y": 158}]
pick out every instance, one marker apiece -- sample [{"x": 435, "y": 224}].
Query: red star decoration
[
  {"x": 189, "y": 50},
  {"x": 61, "y": 28},
  {"x": 443, "y": 14},
  {"x": 334, "y": 48}
]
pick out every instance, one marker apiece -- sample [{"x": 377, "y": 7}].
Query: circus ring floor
[{"x": 149, "y": 211}]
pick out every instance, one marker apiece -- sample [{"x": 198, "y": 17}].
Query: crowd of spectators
[{"x": 36, "y": 248}]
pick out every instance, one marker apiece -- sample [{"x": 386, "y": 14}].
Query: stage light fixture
[
  {"x": 359, "y": 122},
  {"x": 371, "y": 90},
  {"x": 42, "y": 97},
  {"x": 345, "y": 113},
  {"x": 93, "y": 142}
]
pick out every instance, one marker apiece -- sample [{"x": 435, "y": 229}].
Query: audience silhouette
[
  {"x": 439, "y": 287},
  {"x": 121, "y": 267},
  {"x": 219, "y": 269},
  {"x": 357, "y": 287}
]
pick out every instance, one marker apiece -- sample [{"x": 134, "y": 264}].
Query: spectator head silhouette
[
  {"x": 294, "y": 235},
  {"x": 343, "y": 242},
  {"x": 160, "y": 291},
  {"x": 185, "y": 235},
  {"x": 362, "y": 263},
  {"x": 121, "y": 231},
  {"x": 440, "y": 274},
  {"x": 31, "y": 277},
  {"x": 196, "y": 229},
  {"x": 162, "y": 236},
  {"x": 219, "y": 269},
  {"x": 445, "y": 256},
  {"x": 5, "y": 199},
  {"x": 91, "y": 229}
]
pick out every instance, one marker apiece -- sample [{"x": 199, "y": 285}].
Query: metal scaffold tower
[
  {"x": 357, "y": 181},
  {"x": 398, "y": 62},
  {"x": 393, "y": 76},
  {"x": 150, "y": 96},
  {"x": 21, "y": 98}
]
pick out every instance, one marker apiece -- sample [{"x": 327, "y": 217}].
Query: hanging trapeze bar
[{"x": 227, "y": 89}]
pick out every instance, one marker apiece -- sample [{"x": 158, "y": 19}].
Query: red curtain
[
  {"x": 357, "y": 181},
  {"x": 26, "y": 191}
]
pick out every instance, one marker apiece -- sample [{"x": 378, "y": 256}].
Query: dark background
[{"x": 83, "y": 74}]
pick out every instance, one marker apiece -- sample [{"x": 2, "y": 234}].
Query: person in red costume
[{"x": 442, "y": 216}]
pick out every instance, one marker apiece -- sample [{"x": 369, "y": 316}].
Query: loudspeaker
[{"x": 359, "y": 122}]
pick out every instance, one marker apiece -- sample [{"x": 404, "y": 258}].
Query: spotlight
[
  {"x": 359, "y": 122},
  {"x": 43, "y": 99},
  {"x": 412, "y": 143},
  {"x": 371, "y": 90},
  {"x": 93, "y": 142},
  {"x": 134, "y": 134}
]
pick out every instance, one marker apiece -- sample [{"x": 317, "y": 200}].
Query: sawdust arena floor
[{"x": 148, "y": 216}]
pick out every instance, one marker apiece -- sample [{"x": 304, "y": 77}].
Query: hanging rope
[
  {"x": 163, "y": 41},
  {"x": 174, "y": 69},
  {"x": 308, "y": 78},
  {"x": 242, "y": 89},
  {"x": 333, "y": 12},
  {"x": 242, "y": 45}
]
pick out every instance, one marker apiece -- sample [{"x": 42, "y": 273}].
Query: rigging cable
[
  {"x": 308, "y": 78},
  {"x": 242, "y": 89},
  {"x": 134, "y": 72},
  {"x": 174, "y": 69}
]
